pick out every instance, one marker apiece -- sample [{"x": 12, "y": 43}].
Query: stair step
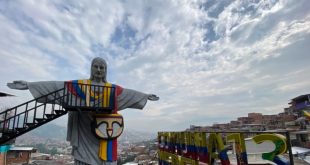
[
  {"x": 30, "y": 124},
  {"x": 20, "y": 129},
  {"x": 9, "y": 131},
  {"x": 8, "y": 134},
  {"x": 39, "y": 120},
  {"x": 59, "y": 112},
  {"x": 3, "y": 130},
  {"x": 5, "y": 136},
  {"x": 49, "y": 116},
  {"x": 26, "y": 123}
]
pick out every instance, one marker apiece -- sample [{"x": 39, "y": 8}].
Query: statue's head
[{"x": 98, "y": 70}]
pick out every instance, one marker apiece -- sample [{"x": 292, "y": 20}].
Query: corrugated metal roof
[
  {"x": 301, "y": 132},
  {"x": 300, "y": 150},
  {"x": 301, "y": 96},
  {"x": 21, "y": 149}
]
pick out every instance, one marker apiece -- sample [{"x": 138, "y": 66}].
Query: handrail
[
  {"x": 25, "y": 114},
  {"x": 25, "y": 118},
  {"x": 31, "y": 101},
  {"x": 36, "y": 100}
]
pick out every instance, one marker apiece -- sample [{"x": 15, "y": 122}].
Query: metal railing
[
  {"x": 20, "y": 119},
  {"x": 89, "y": 97}
]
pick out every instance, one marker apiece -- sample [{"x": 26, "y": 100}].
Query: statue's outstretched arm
[
  {"x": 153, "y": 97},
  {"x": 19, "y": 84}
]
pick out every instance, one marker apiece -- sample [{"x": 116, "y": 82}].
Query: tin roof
[
  {"x": 300, "y": 150},
  {"x": 21, "y": 149},
  {"x": 301, "y": 97}
]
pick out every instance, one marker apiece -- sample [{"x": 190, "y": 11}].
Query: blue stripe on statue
[
  {"x": 78, "y": 90},
  {"x": 110, "y": 150}
]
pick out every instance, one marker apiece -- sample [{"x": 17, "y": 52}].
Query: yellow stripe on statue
[
  {"x": 109, "y": 93},
  {"x": 103, "y": 149},
  {"x": 105, "y": 93},
  {"x": 92, "y": 94}
]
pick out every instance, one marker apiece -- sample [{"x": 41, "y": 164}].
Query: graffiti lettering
[{"x": 193, "y": 147}]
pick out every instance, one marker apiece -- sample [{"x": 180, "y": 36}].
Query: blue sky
[{"x": 209, "y": 61}]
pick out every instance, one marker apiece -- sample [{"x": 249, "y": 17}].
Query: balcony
[{"x": 301, "y": 105}]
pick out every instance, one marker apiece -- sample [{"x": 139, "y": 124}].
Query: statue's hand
[
  {"x": 21, "y": 85},
  {"x": 153, "y": 97}
]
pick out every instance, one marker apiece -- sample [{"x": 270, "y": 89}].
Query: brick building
[
  {"x": 19, "y": 155},
  {"x": 256, "y": 118},
  {"x": 3, "y": 151},
  {"x": 244, "y": 120},
  {"x": 300, "y": 104}
]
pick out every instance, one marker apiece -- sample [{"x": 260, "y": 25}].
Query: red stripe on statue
[
  {"x": 71, "y": 88},
  {"x": 119, "y": 90},
  {"x": 114, "y": 155}
]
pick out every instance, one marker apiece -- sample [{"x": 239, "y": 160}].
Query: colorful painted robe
[
  {"x": 105, "y": 98},
  {"x": 85, "y": 145}
]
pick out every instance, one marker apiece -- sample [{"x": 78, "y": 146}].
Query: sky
[{"x": 208, "y": 61}]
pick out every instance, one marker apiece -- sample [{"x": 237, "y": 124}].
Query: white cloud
[
  {"x": 293, "y": 87},
  {"x": 203, "y": 58}
]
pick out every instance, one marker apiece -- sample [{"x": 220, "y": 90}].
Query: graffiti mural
[{"x": 201, "y": 147}]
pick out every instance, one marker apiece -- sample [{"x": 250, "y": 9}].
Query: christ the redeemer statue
[{"x": 87, "y": 148}]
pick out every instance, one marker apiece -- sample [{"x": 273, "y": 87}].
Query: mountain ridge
[{"x": 56, "y": 133}]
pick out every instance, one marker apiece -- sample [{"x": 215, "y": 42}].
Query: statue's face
[{"x": 98, "y": 70}]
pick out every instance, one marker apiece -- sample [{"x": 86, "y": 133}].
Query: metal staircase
[{"x": 25, "y": 117}]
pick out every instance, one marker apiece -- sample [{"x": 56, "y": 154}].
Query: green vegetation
[{"x": 43, "y": 149}]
